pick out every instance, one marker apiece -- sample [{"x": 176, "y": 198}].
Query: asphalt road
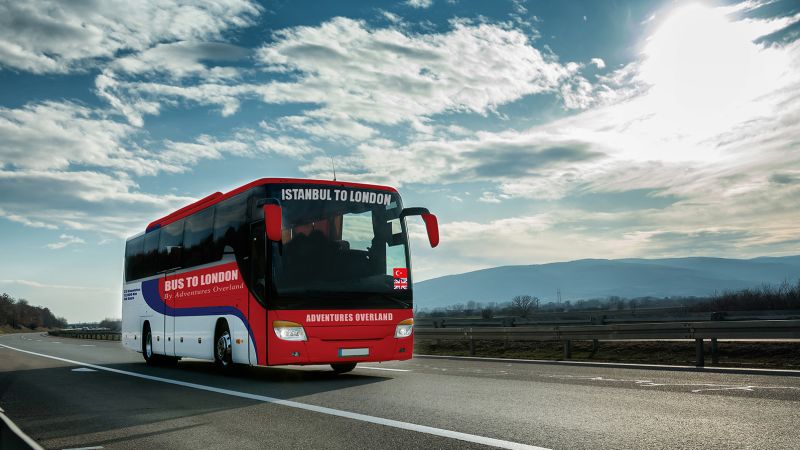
[{"x": 101, "y": 395}]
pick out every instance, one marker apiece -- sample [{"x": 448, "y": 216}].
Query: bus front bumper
[{"x": 326, "y": 351}]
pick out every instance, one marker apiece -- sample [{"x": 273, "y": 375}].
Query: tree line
[
  {"x": 785, "y": 296},
  {"x": 17, "y": 313}
]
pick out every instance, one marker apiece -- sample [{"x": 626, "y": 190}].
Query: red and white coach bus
[{"x": 279, "y": 271}]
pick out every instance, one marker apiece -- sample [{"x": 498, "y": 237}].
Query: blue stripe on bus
[{"x": 153, "y": 299}]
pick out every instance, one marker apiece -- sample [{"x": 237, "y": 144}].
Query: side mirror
[
  {"x": 432, "y": 226},
  {"x": 431, "y": 223},
  {"x": 273, "y": 219}
]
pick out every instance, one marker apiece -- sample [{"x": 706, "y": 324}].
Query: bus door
[
  {"x": 257, "y": 297},
  {"x": 169, "y": 315}
]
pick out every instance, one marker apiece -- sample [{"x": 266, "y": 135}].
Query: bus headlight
[
  {"x": 289, "y": 331},
  {"x": 404, "y": 328}
]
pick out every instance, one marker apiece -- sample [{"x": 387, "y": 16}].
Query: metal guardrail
[
  {"x": 104, "y": 335},
  {"x": 699, "y": 331},
  {"x": 604, "y": 317},
  {"x": 12, "y": 438}
]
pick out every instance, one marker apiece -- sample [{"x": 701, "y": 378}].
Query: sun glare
[{"x": 699, "y": 64}]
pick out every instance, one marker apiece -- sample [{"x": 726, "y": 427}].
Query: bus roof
[{"x": 217, "y": 197}]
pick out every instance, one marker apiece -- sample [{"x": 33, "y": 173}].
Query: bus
[{"x": 280, "y": 271}]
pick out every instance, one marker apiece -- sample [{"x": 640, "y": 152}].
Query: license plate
[{"x": 345, "y": 352}]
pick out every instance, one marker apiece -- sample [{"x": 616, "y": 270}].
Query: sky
[{"x": 536, "y": 131}]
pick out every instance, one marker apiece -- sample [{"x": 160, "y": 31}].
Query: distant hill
[{"x": 599, "y": 278}]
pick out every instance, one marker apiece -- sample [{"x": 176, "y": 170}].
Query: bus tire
[
  {"x": 343, "y": 367},
  {"x": 223, "y": 347},
  {"x": 147, "y": 346}
]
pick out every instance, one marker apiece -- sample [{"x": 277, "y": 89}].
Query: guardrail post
[
  {"x": 700, "y": 357},
  {"x": 567, "y": 349},
  {"x": 471, "y": 345},
  {"x": 714, "y": 355},
  {"x": 595, "y": 347}
]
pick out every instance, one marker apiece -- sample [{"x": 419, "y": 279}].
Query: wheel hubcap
[
  {"x": 224, "y": 348},
  {"x": 148, "y": 346}
]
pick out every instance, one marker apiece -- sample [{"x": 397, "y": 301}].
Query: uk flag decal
[{"x": 400, "y": 278}]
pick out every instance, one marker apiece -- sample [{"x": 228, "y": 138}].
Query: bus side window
[
  {"x": 229, "y": 226},
  {"x": 150, "y": 257},
  {"x": 198, "y": 238},
  {"x": 133, "y": 256},
  {"x": 169, "y": 247}
]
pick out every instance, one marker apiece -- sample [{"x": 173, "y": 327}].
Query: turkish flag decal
[{"x": 400, "y": 272}]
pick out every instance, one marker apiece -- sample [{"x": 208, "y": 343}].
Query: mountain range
[{"x": 600, "y": 278}]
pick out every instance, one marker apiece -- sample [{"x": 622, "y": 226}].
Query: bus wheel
[
  {"x": 343, "y": 367},
  {"x": 147, "y": 346},
  {"x": 222, "y": 348}
]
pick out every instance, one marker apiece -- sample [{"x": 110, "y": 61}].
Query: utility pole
[{"x": 558, "y": 295}]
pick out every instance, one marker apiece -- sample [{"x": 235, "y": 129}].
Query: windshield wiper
[{"x": 396, "y": 300}]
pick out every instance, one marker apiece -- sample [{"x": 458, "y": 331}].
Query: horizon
[
  {"x": 613, "y": 259},
  {"x": 538, "y": 133},
  {"x": 546, "y": 300}
]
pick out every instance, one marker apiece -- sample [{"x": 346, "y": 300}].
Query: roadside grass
[
  {"x": 773, "y": 355},
  {"x": 6, "y": 329}
]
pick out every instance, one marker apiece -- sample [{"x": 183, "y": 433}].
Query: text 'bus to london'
[{"x": 279, "y": 271}]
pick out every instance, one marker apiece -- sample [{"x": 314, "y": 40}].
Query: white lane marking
[
  {"x": 85, "y": 448},
  {"x": 14, "y": 429},
  {"x": 304, "y": 406},
  {"x": 700, "y": 387},
  {"x": 88, "y": 345},
  {"x": 83, "y": 369},
  {"x": 383, "y": 368}
]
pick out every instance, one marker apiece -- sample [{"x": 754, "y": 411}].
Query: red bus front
[{"x": 336, "y": 281}]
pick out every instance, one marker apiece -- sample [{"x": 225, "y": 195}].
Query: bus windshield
[{"x": 341, "y": 248}]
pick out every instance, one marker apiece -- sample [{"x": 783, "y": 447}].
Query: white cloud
[
  {"x": 389, "y": 76},
  {"x": 65, "y": 240},
  {"x": 25, "y": 221},
  {"x": 647, "y": 131},
  {"x": 710, "y": 121},
  {"x": 546, "y": 237},
  {"x": 494, "y": 157},
  {"x": 138, "y": 98},
  {"x": 391, "y": 17},
  {"x": 334, "y": 127},
  {"x": 81, "y": 200},
  {"x": 356, "y": 75},
  {"x": 139, "y": 84},
  {"x": 53, "y": 135},
  {"x": 489, "y": 197},
  {"x": 182, "y": 59},
  {"x": 599, "y": 63},
  {"x": 37, "y": 284},
  {"x": 419, "y": 3},
  {"x": 48, "y": 36},
  {"x": 64, "y": 165}
]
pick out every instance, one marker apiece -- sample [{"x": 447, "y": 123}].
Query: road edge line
[
  {"x": 620, "y": 365},
  {"x": 27, "y": 440},
  {"x": 473, "y": 438}
]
